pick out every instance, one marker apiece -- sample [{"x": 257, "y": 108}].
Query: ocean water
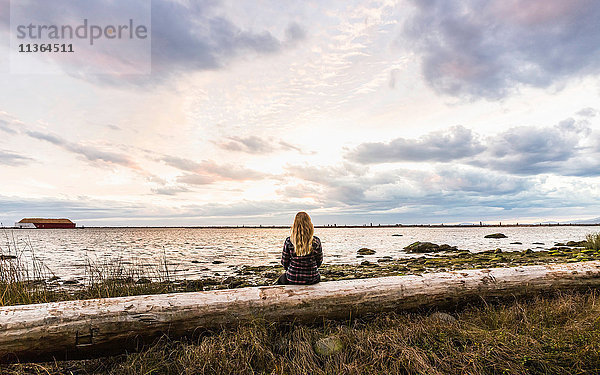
[{"x": 198, "y": 252}]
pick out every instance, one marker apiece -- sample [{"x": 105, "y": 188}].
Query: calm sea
[{"x": 198, "y": 252}]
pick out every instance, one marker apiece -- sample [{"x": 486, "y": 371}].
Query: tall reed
[
  {"x": 23, "y": 275},
  {"x": 120, "y": 277},
  {"x": 25, "y": 279},
  {"x": 593, "y": 241}
]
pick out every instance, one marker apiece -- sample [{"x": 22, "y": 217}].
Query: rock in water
[
  {"x": 422, "y": 247},
  {"x": 428, "y": 247},
  {"x": 496, "y": 235},
  {"x": 365, "y": 251},
  {"x": 446, "y": 247},
  {"x": 328, "y": 346},
  {"x": 577, "y": 243},
  {"x": 396, "y": 235}
]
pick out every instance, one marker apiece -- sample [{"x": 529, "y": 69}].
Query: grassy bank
[{"x": 551, "y": 334}]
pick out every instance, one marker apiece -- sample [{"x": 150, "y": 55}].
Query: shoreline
[{"x": 124, "y": 282}]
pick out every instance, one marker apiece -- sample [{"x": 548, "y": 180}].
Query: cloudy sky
[{"x": 355, "y": 111}]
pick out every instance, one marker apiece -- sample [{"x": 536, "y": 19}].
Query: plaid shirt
[{"x": 302, "y": 269}]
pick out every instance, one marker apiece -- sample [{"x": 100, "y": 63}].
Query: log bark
[{"x": 91, "y": 327}]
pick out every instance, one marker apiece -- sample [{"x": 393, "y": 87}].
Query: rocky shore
[
  {"x": 448, "y": 259},
  {"x": 428, "y": 257}
]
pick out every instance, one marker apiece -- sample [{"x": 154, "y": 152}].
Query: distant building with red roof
[{"x": 45, "y": 223}]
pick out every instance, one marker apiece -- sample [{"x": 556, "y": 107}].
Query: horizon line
[{"x": 261, "y": 226}]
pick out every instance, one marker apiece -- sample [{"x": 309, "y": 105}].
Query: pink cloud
[{"x": 537, "y": 12}]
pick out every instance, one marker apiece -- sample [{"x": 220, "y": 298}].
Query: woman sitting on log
[{"x": 302, "y": 253}]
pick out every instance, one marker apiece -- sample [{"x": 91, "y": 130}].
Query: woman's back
[{"x": 302, "y": 269}]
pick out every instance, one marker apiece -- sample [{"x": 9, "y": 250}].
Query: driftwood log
[{"x": 91, "y": 327}]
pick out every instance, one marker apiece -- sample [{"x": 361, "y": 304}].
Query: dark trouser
[{"x": 283, "y": 280}]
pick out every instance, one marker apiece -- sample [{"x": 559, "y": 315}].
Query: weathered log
[{"x": 89, "y": 327}]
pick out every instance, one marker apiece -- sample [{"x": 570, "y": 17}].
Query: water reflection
[{"x": 198, "y": 252}]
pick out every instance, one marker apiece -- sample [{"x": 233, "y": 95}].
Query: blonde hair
[{"x": 302, "y": 234}]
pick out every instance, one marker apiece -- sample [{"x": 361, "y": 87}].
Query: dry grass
[
  {"x": 24, "y": 279},
  {"x": 545, "y": 335},
  {"x": 593, "y": 241},
  {"x": 117, "y": 279},
  {"x": 22, "y": 274}
]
